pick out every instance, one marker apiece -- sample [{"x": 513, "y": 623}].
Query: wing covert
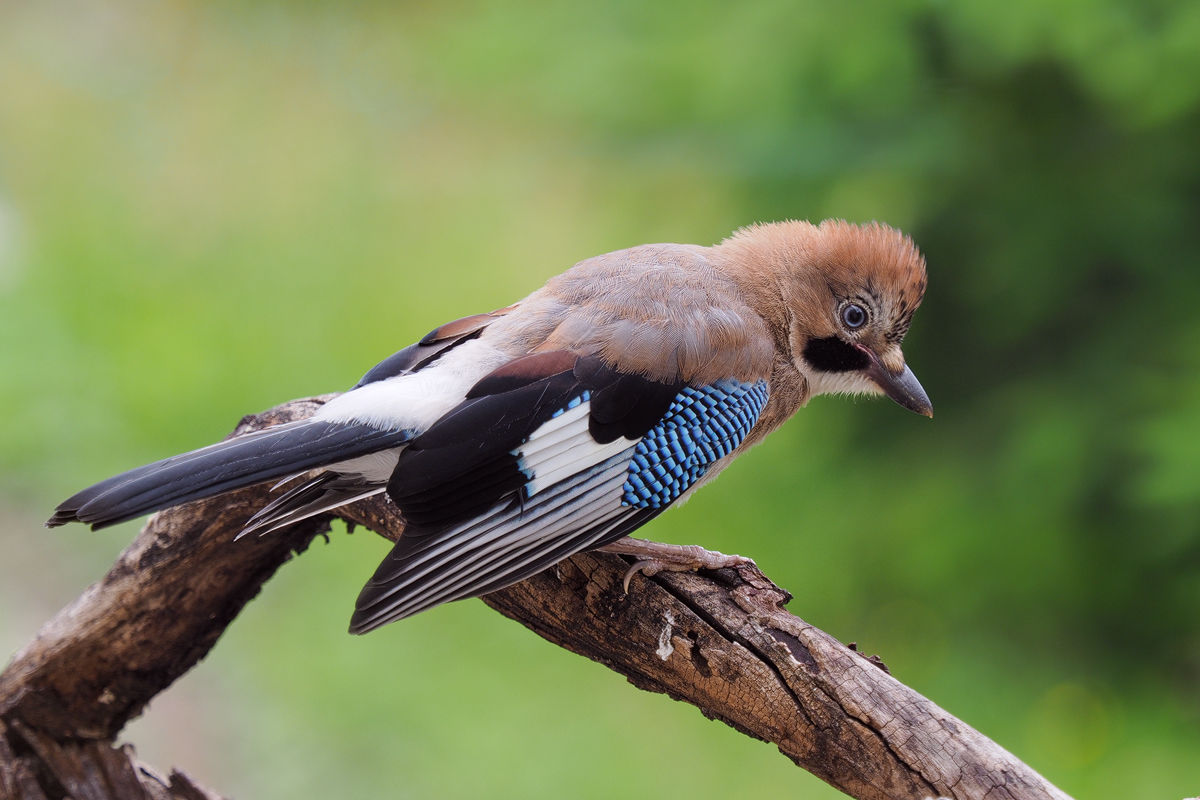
[{"x": 702, "y": 426}]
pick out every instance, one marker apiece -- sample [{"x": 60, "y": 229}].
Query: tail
[
  {"x": 326, "y": 491},
  {"x": 265, "y": 455}
]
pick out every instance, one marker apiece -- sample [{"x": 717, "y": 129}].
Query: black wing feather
[
  {"x": 464, "y": 464},
  {"x": 629, "y": 406}
]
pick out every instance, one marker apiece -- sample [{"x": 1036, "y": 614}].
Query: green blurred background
[{"x": 208, "y": 209}]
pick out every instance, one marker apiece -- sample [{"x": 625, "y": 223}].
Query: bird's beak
[{"x": 902, "y": 386}]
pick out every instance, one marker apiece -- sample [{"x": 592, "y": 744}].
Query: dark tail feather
[
  {"x": 256, "y": 457},
  {"x": 322, "y": 493}
]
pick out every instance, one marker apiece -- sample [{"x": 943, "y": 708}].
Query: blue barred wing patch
[{"x": 701, "y": 426}]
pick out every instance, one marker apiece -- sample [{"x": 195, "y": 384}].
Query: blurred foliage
[{"x": 209, "y": 209}]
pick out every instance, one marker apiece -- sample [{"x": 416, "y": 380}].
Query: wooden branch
[{"x": 721, "y": 641}]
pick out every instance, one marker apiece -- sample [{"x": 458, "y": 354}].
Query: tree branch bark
[{"x": 721, "y": 641}]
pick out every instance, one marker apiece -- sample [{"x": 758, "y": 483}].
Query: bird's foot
[{"x": 656, "y": 557}]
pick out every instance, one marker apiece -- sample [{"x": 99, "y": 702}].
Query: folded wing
[{"x": 548, "y": 456}]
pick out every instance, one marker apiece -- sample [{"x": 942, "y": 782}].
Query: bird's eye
[{"x": 854, "y": 316}]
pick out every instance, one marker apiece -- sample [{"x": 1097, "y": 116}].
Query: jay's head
[{"x": 848, "y": 294}]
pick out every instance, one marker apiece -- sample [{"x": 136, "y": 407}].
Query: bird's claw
[
  {"x": 694, "y": 558},
  {"x": 647, "y": 567}
]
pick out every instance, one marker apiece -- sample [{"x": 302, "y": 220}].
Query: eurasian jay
[{"x": 511, "y": 440}]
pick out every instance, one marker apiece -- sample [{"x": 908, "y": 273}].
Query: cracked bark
[{"x": 721, "y": 641}]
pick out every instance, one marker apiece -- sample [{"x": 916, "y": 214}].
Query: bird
[{"x": 511, "y": 440}]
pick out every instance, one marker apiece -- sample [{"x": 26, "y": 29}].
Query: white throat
[{"x": 849, "y": 383}]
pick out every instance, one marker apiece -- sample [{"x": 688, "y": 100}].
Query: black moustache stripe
[{"x": 831, "y": 354}]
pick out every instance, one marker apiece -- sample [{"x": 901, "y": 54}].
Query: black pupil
[{"x": 854, "y": 316}]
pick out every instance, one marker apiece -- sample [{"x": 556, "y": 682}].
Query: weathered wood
[
  {"x": 84, "y": 770},
  {"x": 721, "y": 641},
  {"x": 155, "y": 614}
]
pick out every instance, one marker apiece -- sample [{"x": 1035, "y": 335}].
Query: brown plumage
[
  {"x": 742, "y": 309},
  {"x": 561, "y": 423}
]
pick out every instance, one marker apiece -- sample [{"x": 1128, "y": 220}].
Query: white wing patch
[
  {"x": 415, "y": 401},
  {"x": 562, "y": 447}
]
